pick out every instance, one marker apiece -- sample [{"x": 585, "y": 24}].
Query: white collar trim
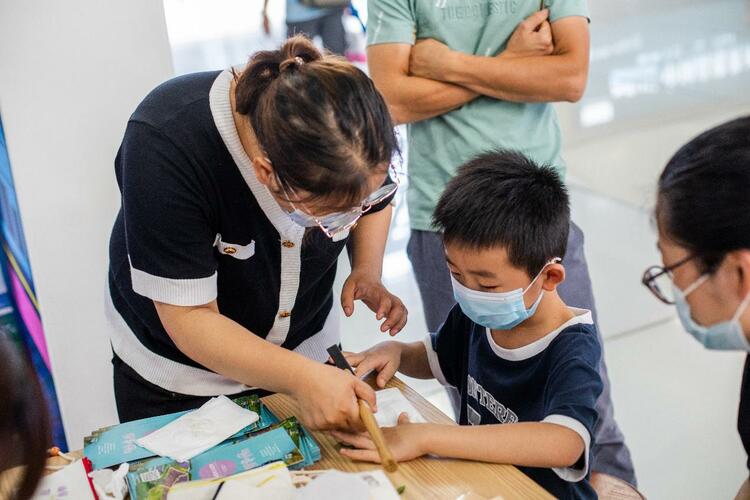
[
  {"x": 221, "y": 110},
  {"x": 582, "y": 317}
]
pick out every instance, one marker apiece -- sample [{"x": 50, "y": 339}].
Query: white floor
[{"x": 661, "y": 72}]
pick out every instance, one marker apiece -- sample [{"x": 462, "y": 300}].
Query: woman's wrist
[
  {"x": 299, "y": 372},
  {"x": 370, "y": 271}
]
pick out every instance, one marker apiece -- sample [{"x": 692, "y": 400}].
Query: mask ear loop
[
  {"x": 743, "y": 306},
  {"x": 556, "y": 260},
  {"x": 695, "y": 285}
]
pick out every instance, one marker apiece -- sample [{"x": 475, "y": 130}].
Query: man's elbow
[
  {"x": 399, "y": 114},
  {"x": 574, "y": 86}
]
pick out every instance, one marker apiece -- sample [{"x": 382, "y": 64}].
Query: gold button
[
  {"x": 230, "y": 250},
  {"x": 284, "y": 314},
  {"x": 287, "y": 244}
]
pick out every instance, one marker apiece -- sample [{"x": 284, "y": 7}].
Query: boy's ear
[{"x": 553, "y": 276}]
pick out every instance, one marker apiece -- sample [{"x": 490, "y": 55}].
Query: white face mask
[
  {"x": 723, "y": 336},
  {"x": 199, "y": 430}
]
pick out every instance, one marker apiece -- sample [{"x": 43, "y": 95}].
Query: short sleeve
[
  {"x": 567, "y": 8},
  {"x": 446, "y": 348},
  {"x": 573, "y": 386},
  {"x": 390, "y": 21},
  {"x": 167, "y": 224}
]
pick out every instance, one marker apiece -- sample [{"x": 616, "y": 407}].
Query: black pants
[{"x": 138, "y": 398}]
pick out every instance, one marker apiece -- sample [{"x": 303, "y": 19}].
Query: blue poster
[{"x": 19, "y": 310}]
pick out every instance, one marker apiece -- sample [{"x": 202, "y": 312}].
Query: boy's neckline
[
  {"x": 551, "y": 313},
  {"x": 540, "y": 343}
]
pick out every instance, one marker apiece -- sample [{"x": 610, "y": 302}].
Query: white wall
[{"x": 71, "y": 73}]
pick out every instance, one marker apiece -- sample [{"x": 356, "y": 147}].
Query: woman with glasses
[
  {"x": 703, "y": 217},
  {"x": 239, "y": 191}
]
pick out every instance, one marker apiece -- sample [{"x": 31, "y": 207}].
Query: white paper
[
  {"x": 272, "y": 490},
  {"x": 110, "y": 484},
  {"x": 337, "y": 485},
  {"x": 392, "y": 403},
  {"x": 199, "y": 430},
  {"x": 271, "y": 482},
  {"x": 69, "y": 483}
]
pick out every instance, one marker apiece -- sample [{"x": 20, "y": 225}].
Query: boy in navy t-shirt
[{"x": 524, "y": 363}]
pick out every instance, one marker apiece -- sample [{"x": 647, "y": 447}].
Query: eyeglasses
[
  {"x": 658, "y": 279},
  {"x": 339, "y": 222}
]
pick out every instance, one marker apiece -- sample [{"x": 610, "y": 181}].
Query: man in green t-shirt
[{"x": 468, "y": 76}]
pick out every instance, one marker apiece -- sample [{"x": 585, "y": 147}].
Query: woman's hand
[
  {"x": 405, "y": 442},
  {"x": 532, "y": 37},
  {"x": 385, "y": 358},
  {"x": 385, "y": 305},
  {"x": 328, "y": 399}
]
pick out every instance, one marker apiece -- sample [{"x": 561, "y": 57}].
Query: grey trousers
[
  {"x": 425, "y": 249},
  {"x": 330, "y": 28}
]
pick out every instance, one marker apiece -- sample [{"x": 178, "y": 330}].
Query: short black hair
[
  {"x": 501, "y": 198},
  {"x": 704, "y": 194}
]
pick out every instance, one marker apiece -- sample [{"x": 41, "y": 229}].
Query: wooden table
[{"x": 426, "y": 477}]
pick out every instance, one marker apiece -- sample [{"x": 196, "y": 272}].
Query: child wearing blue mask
[{"x": 524, "y": 362}]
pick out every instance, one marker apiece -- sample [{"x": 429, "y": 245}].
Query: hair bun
[
  {"x": 294, "y": 62},
  {"x": 265, "y": 66}
]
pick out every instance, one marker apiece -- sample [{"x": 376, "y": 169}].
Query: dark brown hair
[
  {"x": 24, "y": 424},
  {"x": 502, "y": 198},
  {"x": 320, "y": 120},
  {"x": 703, "y": 202}
]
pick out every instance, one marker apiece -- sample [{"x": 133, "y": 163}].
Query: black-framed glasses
[{"x": 658, "y": 279}]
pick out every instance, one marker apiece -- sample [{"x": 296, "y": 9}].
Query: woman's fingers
[
  {"x": 384, "y": 307},
  {"x": 364, "y": 391},
  {"x": 347, "y": 296},
  {"x": 394, "y": 315},
  {"x": 400, "y": 323}
]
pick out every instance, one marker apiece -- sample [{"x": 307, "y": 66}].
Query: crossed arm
[{"x": 542, "y": 62}]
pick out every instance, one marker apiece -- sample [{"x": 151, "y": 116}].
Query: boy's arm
[
  {"x": 411, "y": 98},
  {"x": 560, "y": 76},
  {"x": 531, "y": 444}
]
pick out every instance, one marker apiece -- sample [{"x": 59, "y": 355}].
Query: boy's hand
[
  {"x": 405, "y": 442},
  {"x": 532, "y": 37},
  {"x": 385, "y": 358}
]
